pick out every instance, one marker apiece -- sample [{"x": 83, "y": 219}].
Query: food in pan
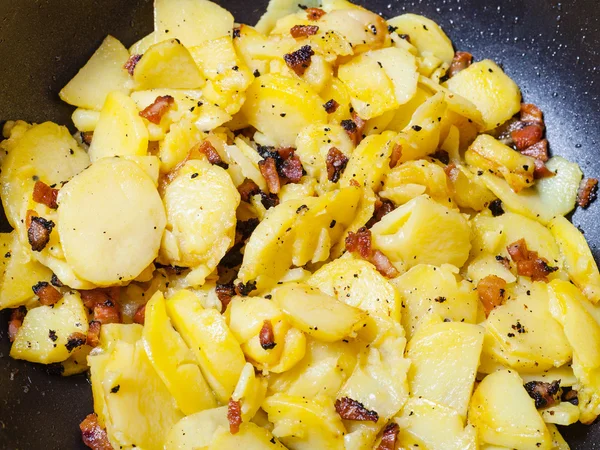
[{"x": 326, "y": 231}]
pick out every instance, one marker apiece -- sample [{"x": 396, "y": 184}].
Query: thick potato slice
[
  {"x": 102, "y": 74},
  {"x": 423, "y": 232},
  {"x": 468, "y": 190},
  {"x": 424, "y": 34},
  {"x": 195, "y": 432},
  {"x": 444, "y": 359},
  {"x": 250, "y": 392},
  {"x": 401, "y": 68},
  {"x": 173, "y": 360},
  {"x": 120, "y": 130},
  {"x": 280, "y": 107},
  {"x": 505, "y": 415},
  {"x": 200, "y": 202},
  {"x": 577, "y": 257},
  {"x": 167, "y": 64},
  {"x": 85, "y": 119},
  {"x": 363, "y": 29},
  {"x": 564, "y": 413},
  {"x": 249, "y": 437},
  {"x": 178, "y": 143},
  {"x": 191, "y": 21},
  {"x": 110, "y": 222},
  {"x": 317, "y": 314},
  {"x": 208, "y": 336},
  {"x": 45, "y": 152},
  {"x": 494, "y": 94},
  {"x": 46, "y": 330}
]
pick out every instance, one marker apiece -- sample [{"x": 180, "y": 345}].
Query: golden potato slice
[
  {"x": 564, "y": 414},
  {"x": 197, "y": 430},
  {"x": 280, "y": 107},
  {"x": 294, "y": 349},
  {"x": 250, "y": 391},
  {"x": 469, "y": 189},
  {"x": 167, "y": 64},
  {"x": 102, "y": 74},
  {"x": 401, "y": 68},
  {"x": 363, "y": 29},
  {"x": 46, "y": 330},
  {"x": 505, "y": 415},
  {"x": 85, "y": 119},
  {"x": 249, "y": 437},
  {"x": 110, "y": 222},
  {"x": 45, "y": 152},
  {"x": 494, "y": 94},
  {"x": 120, "y": 130}
]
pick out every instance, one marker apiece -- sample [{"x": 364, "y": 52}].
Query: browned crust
[
  {"x": 336, "y": 162},
  {"x": 299, "y": 60},
  {"x": 93, "y": 435},
  {"x": 389, "y": 437},
  {"x": 349, "y": 409},
  {"x": 47, "y": 294},
  {"x": 38, "y": 231}
]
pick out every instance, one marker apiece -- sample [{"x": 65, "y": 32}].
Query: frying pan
[{"x": 549, "y": 47}]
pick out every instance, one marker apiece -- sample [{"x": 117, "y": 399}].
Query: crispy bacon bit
[
  {"x": 47, "y": 294},
  {"x": 354, "y": 127},
  {"x": 244, "y": 289},
  {"x": 389, "y": 437},
  {"x": 55, "y": 281},
  {"x": 383, "y": 265},
  {"x": 336, "y": 162},
  {"x": 208, "y": 150},
  {"x": 350, "y": 409},
  {"x": 247, "y": 189},
  {"x": 131, "y": 63},
  {"x": 298, "y": 31},
  {"x": 38, "y": 231},
  {"x": 75, "y": 340},
  {"x": 495, "y": 207},
  {"x": 395, "y": 156},
  {"x": 266, "y": 336},
  {"x": 93, "y": 334},
  {"x": 587, "y": 192},
  {"x": 314, "y": 13},
  {"x": 291, "y": 168},
  {"x": 140, "y": 315},
  {"x": 529, "y": 264},
  {"x": 359, "y": 242},
  {"x": 461, "y": 61},
  {"x": 269, "y": 171},
  {"x": 269, "y": 200},
  {"x": 225, "y": 292},
  {"x": 299, "y": 60},
  {"x": 16, "y": 320},
  {"x": 244, "y": 228},
  {"x": 442, "y": 156},
  {"x": 86, "y": 137},
  {"x": 100, "y": 296},
  {"x": 234, "y": 415},
  {"x": 42, "y": 193},
  {"x": 382, "y": 207},
  {"x": 107, "y": 314},
  {"x": 539, "y": 150},
  {"x": 527, "y": 136},
  {"x": 331, "y": 106},
  {"x": 541, "y": 171},
  {"x": 571, "y": 397},
  {"x": 544, "y": 394},
  {"x": 154, "y": 112},
  {"x": 504, "y": 261},
  {"x": 491, "y": 290},
  {"x": 93, "y": 435},
  {"x": 532, "y": 114}
]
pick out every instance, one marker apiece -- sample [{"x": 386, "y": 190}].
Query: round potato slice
[{"x": 110, "y": 221}]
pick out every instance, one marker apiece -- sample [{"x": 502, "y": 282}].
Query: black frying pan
[{"x": 549, "y": 47}]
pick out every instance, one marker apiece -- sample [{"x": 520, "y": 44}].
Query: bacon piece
[
  {"x": 336, "y": 162},
  {"x": 75, "y": 340},
  {"x": 234, "y": 415},
  {"x": 93, "y": 435},
  {"x": 100, "y": 296},
  {"x": 331, "y": 106},
  {"x": 140, "y": 315},
  {"x": 354, "y": 127},
  {"x": 86, "y": 137},
  {"x": 587, "y": 192},
  {"x": 529, "y": 264},
  {"x": 442, "y": 156},
  {"x": 532, "y": 114},
  {"x": 208, "y": 150},
  {"x": 93, "y": 334},
  {"x": 42, "y": 193},
  {"x": 571, "y": 397},
  {"x": 541, "y": 171},
  {"x": 266, "y": 336},
  {"x": 291, "y": 168},
  {"x": 247, "y": 189},
  {"x": 539, "y": 150},
  {"x": 244, "y": 289},
  {"x": 527, "y": 136},
  {"x": 461, "y": 61},
  {"x": 107, "y": 314},
  {"x": 314, "y": 13},
  {"x": 382, "y": 207},
  {"x": 544, "y": 394},
  {"x": 491, "y": 290},
  {"x": 38, "y": 231},
  {"x": 299, "y": 60},
  {"x": 16, "y": 320},
  {"x": 395, "y": 156},
  {"x": 349, "y": 409},
  {"x": 154, "y": 112},
  {"x": 389, "y": 437},
  {"x": 131, "y": 63},
  {"x": 225, "y": 292},
  {"x": 298, "y": 31},
  {"x": 383, "y": 265},
  {"x": 47, "y": 294},
  {"x": 244, "y": 228},
  {"x": 359, "y": 242},
  {"x": 269, "y": 171}
]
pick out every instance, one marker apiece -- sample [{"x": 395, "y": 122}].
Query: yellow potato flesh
[{"x": 196, "y": 431}]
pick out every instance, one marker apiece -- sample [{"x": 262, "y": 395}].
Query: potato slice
[
  {"x": 102, "y": 74},
  {"x": 85, "y": 119},
  {"x": 494, "y": 94},
  {"x": 424, "y": 34},
  {"x": 250, "y": 391},
  {"x": 110, "y": 222},
  {"x": 46, "y": 330},
  {"x": 469, "y": 191},
  {"x": 317, "y": 314},
  {"x": 401, "y": 68},
  {"x": 167, "y": 64},
  {"x": 173, "y": 360},
  {"x": 200, "y": 204},
  {"x": 363, "y": 29},
  {"x": 423, "y": 232},
  {"x": 45, "y": 152},
  {"x": 280, "y": 107},
  {"x": 444, "y": 359},
  {"x": 249, "y": 437},
  {"x": 196, "y": 431},
  {"x": 207, "y": 335},
  {"x": 564, "y": 413},
  {"x": 120, "y": 130},
  {"x": 191, "y": 21},
  {"x": 577, "y": 257},
  {"x": 504, "y": 414}
]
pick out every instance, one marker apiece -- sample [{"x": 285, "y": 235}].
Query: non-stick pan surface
[{"x": 550, "y": 47}]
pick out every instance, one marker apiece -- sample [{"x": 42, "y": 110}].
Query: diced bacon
[
  {"x": 544, "y": 394},
  {"x": 75, "y": 340},
  {"x": 354, "y": 127},
  {"x": 359, "y": 242},
  {"x": 527, "y": 136},
  {"x": 16, "y": 320},
  {"x": 331, "y": 106},
  {"x": 208, "y": 150},
  {"x": 531, "y": 114},
  {"x": 539, "y": 150},
  {"x": 247, "y": 189},
  {"x": 93, "y": 435},
  {"x": 336, "y": 162},
  {"x": 234, "y": 415},
  {"x": 140, "y": 315},
  {"x": 349, "y": 409},
  {"x": 224, "y": 293},
  {"x": 107, "y": 314},
  {"x": 541, "y": 171},
  {"x": 93, "y": 334},
  {"x": 266, "y": 336},
  {"x": 268, "y": 169},
  {"x": 131, "y": 63},
  {"x": 395, "y": 156},
  {"x": 100, "y": 296},
  {"x": 299, "y": 31},
  {"x": 86, "y": 137},
  {"x": 491, "y": 290},
  {"x": 529, "y": 264},
  {"x": 38, "y": 231},
  {"x": 587, "y": 192},
  {"x": 291, "y": 168},
  {"x": 461, "y": 61},
  {"x": 389, "y": 437},
  {"x": 382, "y": 207},
  {"x": 42, "y": 193},
  {"x": 47, "y": 294},
  {"x": 299, "y": 60},
  {"x": 383, "y": 265},
  {"x": 154, "y": 112},
  {"x": 314, "y": 13}
]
